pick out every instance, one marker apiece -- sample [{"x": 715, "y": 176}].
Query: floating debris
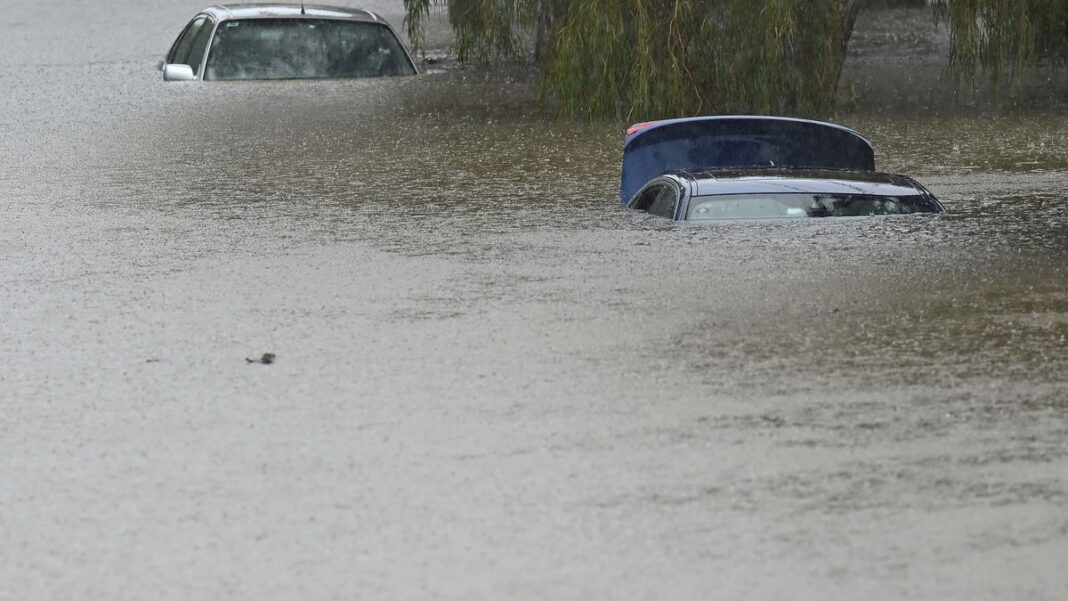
[{"x": 266, "y": 359}]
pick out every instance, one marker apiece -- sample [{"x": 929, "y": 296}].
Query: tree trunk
[{"x": 850, "y": 10}]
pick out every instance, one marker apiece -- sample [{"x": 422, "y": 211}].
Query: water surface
[{"x": 492, "y": 381}]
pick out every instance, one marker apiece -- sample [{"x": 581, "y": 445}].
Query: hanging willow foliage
[
  {"x": 995, "y": 36},
  {"x": 653, "y": 58},
  {"x": 485, "y": 30}
]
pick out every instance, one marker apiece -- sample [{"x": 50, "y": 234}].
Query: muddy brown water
[{"x": 492, "y": 381}]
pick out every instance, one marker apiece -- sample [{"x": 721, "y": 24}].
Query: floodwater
[{"x": 492, "y": 382}]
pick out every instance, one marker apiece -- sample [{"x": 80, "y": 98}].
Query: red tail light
[{"x": 633, "y": 129}]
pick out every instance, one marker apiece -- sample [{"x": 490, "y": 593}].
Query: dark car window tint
[
  {"x": 305, "y": 48},
  {"x": 180, "y": 54},
  {"x": 770, "y": 206},
  {"x": 200, "y": 44},
  {"x": 665, "y": 203},
  {"x": 645, "y": 199}
]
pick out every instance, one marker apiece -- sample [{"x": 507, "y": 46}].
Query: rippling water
[{"x": 493, "y": 381}]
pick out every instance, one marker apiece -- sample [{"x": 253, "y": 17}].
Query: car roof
[
  {"x": 799, "y": 181},
  {"x": 308, "y": 11}
]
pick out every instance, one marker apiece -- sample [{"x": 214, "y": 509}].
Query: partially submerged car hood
[{"x": 653, "y": 149}]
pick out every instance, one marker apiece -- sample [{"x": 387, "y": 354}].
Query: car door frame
[
  {"x": 178, "y": 40},
  {"x": 682, "y": 188},
  {"x": 209, "y": 21},
  {"x": 214, "y": 25}
]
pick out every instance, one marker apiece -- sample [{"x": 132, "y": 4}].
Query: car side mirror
[{"x": 178, "y": 73}]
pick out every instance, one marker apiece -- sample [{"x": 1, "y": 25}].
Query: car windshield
[
  {"x": 775, "y": 206},
  {"x": 304, "y": 49}
]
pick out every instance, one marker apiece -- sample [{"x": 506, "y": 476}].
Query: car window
[
  {"x": 665, "y": 203},
  {"x": 771, "y": 206},
  {"x": 305, "y": 48},
  {"x": 200, "y": 44},
  {"x": 180, "y": 53}
]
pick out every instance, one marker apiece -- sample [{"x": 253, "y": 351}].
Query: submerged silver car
[{"x": 286, "y": 41}]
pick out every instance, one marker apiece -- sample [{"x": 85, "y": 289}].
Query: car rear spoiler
[{"x": 655, "y": 148}]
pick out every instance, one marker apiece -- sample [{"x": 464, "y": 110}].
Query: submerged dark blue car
[{"x": 710, "y": 168}]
